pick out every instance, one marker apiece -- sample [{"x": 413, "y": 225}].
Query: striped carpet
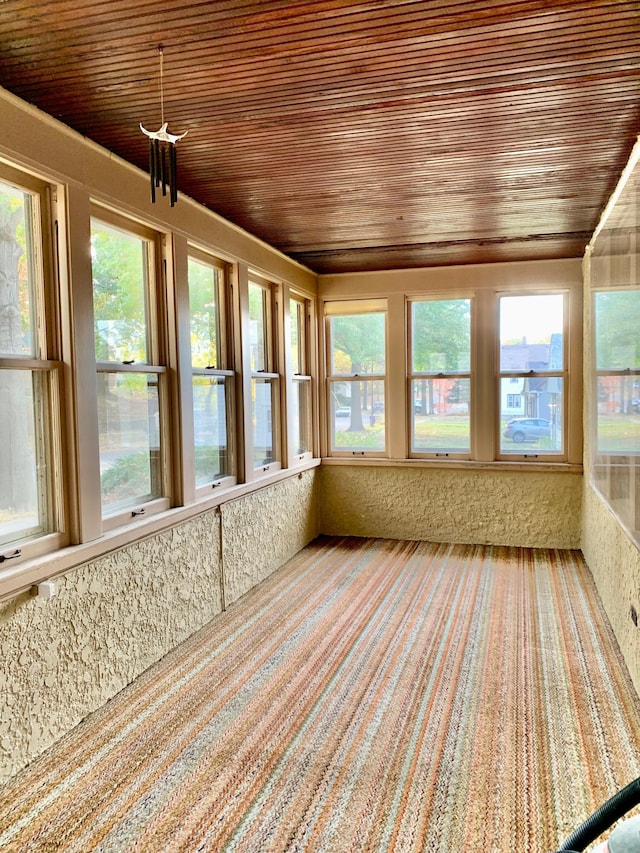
[{"x": 372, "y": 695}]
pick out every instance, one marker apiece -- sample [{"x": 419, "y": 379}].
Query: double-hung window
[
  {"x": 130, "y": 368},
  {"x": 212, "y": 371},
  {"x": 356, "y": 386},
  {"x": 265, "y": 377},
  {"x": 533, "y": 373},
  {"x": 300, "y": 406},
  {"x": 30, "y": 428},
  {"x": 440, "y": 376}
]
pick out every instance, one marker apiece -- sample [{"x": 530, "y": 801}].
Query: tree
[
  {"x": 203, "y": 294},
  {"x": 441, "y": 341},
  {"x": 617, "y": 340},
  {"x": 118, "y": 295},
  {"x": 358, "y": 346}
]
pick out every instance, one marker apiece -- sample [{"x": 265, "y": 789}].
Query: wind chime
[{"x": 163, "y": 164}]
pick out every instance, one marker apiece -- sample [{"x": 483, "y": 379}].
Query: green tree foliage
[
  {"x": 617, "y": 321},
  {"x": 617, "y": 342},
  {"x": 119, "y": 269},
  {"x": 358, "y": 348},
  {"x": 441, "y": 335},
  {"x": 203, "y": 301},
  {"x": 441, "y": 342}
]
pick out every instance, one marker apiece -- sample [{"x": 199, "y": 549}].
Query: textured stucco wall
[
  {"x": 114, "y": 617},
  {"x": 614, "y": 561},
  {"x": 110, "y": 620},
  {"x": 453, "y": 505},
  {"x": 265, "y": 529}
]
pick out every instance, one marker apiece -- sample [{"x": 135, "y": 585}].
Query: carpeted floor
[{"x": 372, "y": 695}]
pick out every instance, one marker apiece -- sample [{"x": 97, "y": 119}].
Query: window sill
[
  {"x": 460, "y": 464},
  {"x": 19, "y": 578}
]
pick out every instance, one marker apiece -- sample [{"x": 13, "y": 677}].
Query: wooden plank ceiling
[{"x": 356, "y": 135}]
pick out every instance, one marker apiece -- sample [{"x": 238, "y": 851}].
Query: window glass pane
[
  {"x": 17, "y": 326},
  {"x": 536, "y": 425},
  {"x": 258, "y": 339},
  {"x": 205, "y": 314},
  {"x": 531, "y": 329},
  {"x": 357, "y": 344},
  {"x": 440, "y": 415},
  {"x": 357, "y": 415},
  {"x": 120, "y": 283},
  {"x": 212, "y": 452},
  {"x": 301, "y": 417},
  {"x": 23, "y": 443},
  {"x": 441, "y": 336},
  {"x": 616, "y": 328},
  {"x": 129, "y": 432},
  {"x": 297, "y": 337},
  {"x": 262, "y": 391},
  {"x": 618, "y": 422}
]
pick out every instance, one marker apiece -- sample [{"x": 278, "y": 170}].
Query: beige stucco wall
[
  {"x": 114, "y": 617},
  {"x": 265, "y": 529},
  {"x": 452, "y": 505}
]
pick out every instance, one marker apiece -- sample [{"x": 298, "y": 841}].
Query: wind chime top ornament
[{"x": 162, "y": 147}]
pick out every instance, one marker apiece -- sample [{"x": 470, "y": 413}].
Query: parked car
[
  {"x": 527, "y": 429},
  {"x": 343, "y": 412}
]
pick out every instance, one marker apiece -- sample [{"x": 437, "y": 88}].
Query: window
[
  {"x": 356, "y": 336},
  {"x": 472, "y": 374},
  {"x": 532, "y": 355},
  {"x": 212, "y": 376},
  {"x": 30, "y": 452},
  {"x": 300, "y": 408},
  {"x": 614, "y": 273},
  {"x": 440, "y": 376},
  {"x": 265, "y": 388},
  {"x": 130, "y": 371}
]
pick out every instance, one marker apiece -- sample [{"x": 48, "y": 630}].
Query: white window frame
[
  {"x": 271, "y": 374},
  {"x": 485, "y": 361},
  {"x": 155, "y": 364},
  {"x": 299, "y": 377},
  {"x": 354, "y": 307},
  {"x": 439, "y": 453},
  {"x": 223, "y": 371},
  {"x": 45, "y": 361},
  {"x": 531, "y": 453}
]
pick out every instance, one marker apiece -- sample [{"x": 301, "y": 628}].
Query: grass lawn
[{"x": 452, "y": 433}]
